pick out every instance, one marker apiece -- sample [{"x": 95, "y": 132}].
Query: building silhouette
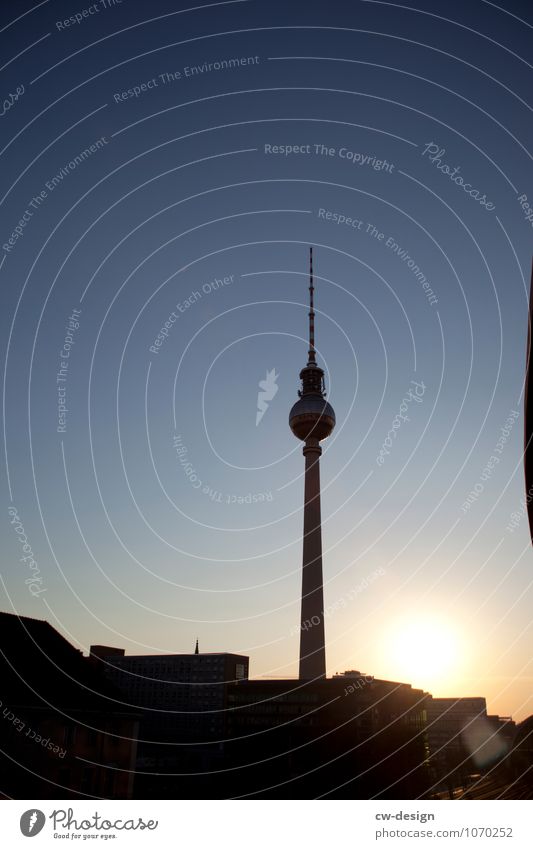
[
  {"x": 463, "y": 740},
  {"x": 182, "y": 697},
  {"x": 528, "y": 414},
  {"x": 64, "y": 732},
  {"x": 182, "y": 701},
  {"x": 339, "y": 737}
]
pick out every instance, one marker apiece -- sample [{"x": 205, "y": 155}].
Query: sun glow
[{"x": 426, "y": 651}]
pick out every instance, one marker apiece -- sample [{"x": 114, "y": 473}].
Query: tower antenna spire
[{"x": 312, "y": 352}]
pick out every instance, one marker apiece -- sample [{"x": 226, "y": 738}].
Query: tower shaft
[{"x": 312, "y": 639}]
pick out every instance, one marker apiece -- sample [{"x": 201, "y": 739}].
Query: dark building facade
[
  {"x": 183, "y": 701},
  {"x": 343, "y": 737},
  {"x": 528, "y": 414},
  {"x": 463, "y": 741},
  {"x": 63, "y": 730},
  {"x": 521, "y": 759},
  {"x": 182, "y": 697}
]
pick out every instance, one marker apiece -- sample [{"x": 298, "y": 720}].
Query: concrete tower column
[{"x": 312, "y": 638}]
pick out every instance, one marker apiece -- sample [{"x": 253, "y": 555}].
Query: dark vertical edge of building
[{"x": 528, "y": 414}]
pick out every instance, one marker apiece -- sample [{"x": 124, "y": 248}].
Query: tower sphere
[{"x": 312, "y": 417}]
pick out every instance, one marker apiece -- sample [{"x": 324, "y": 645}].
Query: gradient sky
[{"x": 181, "y": 193}]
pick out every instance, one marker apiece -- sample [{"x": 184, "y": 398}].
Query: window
[
  {"x": 87, "y": 779},
  {"x": 92, "y": 737},
  {"x": 109, "y": 783},
  {"x": 69, "y": 737}
]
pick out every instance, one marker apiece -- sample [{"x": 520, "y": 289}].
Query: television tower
[{"x": 312, "y": 419}]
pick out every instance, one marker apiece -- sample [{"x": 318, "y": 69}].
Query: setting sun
[{"x": 425, "y": 650}]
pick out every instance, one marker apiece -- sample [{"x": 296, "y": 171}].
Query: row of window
[{"x": 81, "y": 734}]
